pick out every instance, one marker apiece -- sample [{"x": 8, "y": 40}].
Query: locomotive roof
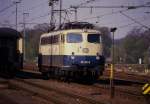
[
  {"x": 77, "y": 25},
  {"x": 69, "y": 31},
  {"x": 73, "y": 25},
  {"x": 8, "y": 32}
]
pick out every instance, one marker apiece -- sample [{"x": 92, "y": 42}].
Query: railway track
[
  {"x": 118, "y": 75},
  {"x": 126, "y": 88},
  {"x": 127, "y": 92},
  {"x": 62, "y": 96},
  {"x": 3, "y": 84},
  {"x": 129, "y": 76},
  {"x": 75, "y": 92},
  {"x": 51, "y": 93}
]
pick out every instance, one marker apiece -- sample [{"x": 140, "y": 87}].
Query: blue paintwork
[
  {"x": 82, "y": 61},
  {"x": 66, "y": 60}
]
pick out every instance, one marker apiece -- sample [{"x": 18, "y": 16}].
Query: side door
[{"x": 61, "y": 48}]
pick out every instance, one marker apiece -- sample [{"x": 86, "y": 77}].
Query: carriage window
[
  {"x": 74, "y": 38},
  {"x": 94, "y": 38}
]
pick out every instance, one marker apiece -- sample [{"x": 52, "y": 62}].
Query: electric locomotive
[
  {"x": 11, "y": 56},
  {"x": 74, "y": 51}
]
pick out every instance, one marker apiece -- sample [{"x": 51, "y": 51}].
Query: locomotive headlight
[
  {"x": 85, "y": 50},
  {"x": 72, "y": 57},
  {"x": 97, "y": 56}
]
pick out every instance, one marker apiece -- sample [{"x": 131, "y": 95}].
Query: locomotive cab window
[
  {"x": 74, "y": 38},
  {"x": 94, "y": 38}
]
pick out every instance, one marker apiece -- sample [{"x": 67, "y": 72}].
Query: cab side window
[{"x": 50, "y": 40}]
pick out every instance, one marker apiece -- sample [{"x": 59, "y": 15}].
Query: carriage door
[
  {"x": 61, "y": 48},
  {"x": 4, "y": 51},
  {"x": 51, "y": 51}
]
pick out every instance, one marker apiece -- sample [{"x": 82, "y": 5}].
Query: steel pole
[
  {"x": 24, "y": 33},
  {"x": 16, "y": 13},
  {"x": 112, "y": 86},
  {"x": 60, "y": 12},
  {"x": 76, "y": 15}
]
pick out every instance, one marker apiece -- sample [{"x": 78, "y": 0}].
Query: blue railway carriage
[
  {"x": 76, "y": 53},
  {"x": 11, "y": 55}
]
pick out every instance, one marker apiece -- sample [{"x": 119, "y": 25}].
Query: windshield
[
  {"x": 94, "y": 38},
  {"x": 74, "y": 38}
]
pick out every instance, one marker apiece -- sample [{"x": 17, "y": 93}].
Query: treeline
[
  {"x": 135, "y": 46},
  {"x": 32, "y": 40}
]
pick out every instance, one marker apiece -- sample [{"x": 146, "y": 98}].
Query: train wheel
[{"x": 45, "y": 75}]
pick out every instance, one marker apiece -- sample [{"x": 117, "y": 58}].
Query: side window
[
  {"x": 55, "y": 39},
  {"x": 50, "y": 40},
  {"x": 43, "y": 41},
  {"x": 46, "y": 40}
]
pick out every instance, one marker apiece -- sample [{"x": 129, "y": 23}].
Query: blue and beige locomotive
[{"x": 74, "y": 51}]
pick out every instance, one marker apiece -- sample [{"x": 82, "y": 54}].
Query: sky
[{"x": 39, "y": 12}]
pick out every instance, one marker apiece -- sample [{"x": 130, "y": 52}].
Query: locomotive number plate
[{"x": 85, "y": 62}]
